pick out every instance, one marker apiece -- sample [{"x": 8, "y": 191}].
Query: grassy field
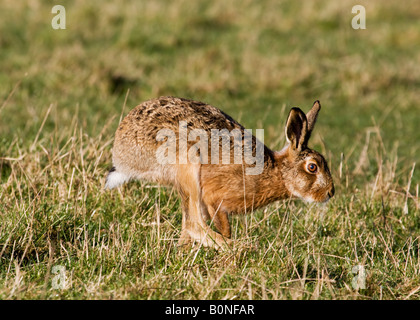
[{"x": 62, "y": 95}]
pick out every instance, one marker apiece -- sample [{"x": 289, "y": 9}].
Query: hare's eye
[{"x": 312, "y": 167}]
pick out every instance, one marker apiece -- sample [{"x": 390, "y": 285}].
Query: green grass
[{"x": 62, "y": 93}]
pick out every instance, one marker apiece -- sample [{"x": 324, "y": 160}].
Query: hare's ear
[
  {"x": 297, "y": 129},
  {"x": 312, "y": 115}
]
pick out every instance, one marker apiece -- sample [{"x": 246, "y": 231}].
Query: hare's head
[{"x": 305, "y": 171}]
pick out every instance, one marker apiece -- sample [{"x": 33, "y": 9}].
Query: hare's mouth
[
  {"x": 326, "y": 200},
  {"x": 328, "y": 197},
  {"x": 330, "y": 194},
  {"x": 323, "y": 200}
]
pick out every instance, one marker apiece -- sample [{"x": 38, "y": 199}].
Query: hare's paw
[
  {"x": 185, "y": 239},
  {"x": 209, "y": 238}
]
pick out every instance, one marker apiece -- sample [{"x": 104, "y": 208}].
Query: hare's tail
[{"x": 115, "y": 178}]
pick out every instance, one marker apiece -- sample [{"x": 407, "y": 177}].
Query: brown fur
[{"x": 212, "y": 191}]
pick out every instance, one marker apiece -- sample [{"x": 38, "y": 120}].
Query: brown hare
[{"x": 157, "y": 142}]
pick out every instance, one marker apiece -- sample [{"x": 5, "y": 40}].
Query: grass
[{"x": 63, "y": 92}]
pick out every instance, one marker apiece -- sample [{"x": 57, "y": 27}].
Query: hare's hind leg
[{"x": 194, "y": 227}]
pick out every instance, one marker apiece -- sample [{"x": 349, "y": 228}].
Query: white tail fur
[{"x": 115, "y": 179}]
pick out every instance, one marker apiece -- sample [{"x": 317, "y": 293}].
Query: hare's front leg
[
  {"x": 220, "y": 220},
  {"x": 194, "y": 227},
  {"x": 185, "y": 238}
]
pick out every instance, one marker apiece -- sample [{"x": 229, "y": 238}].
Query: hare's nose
[{"x": 331, "y": 192}]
